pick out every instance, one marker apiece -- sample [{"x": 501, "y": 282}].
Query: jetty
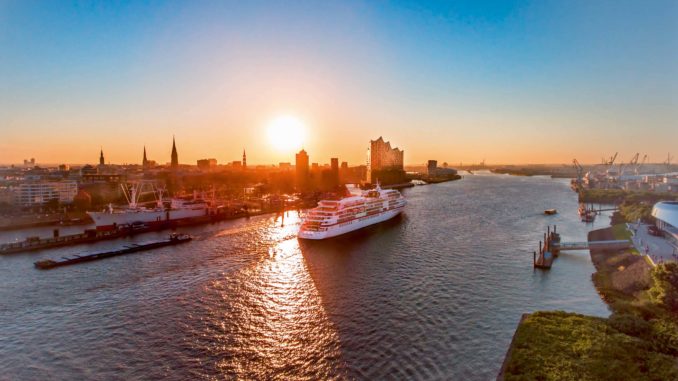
[
  {"x": 551, "y": 246},
  {"x": 174, "y": 239}
]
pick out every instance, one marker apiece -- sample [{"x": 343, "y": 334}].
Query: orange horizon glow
[{"x": 517, "y": 89}]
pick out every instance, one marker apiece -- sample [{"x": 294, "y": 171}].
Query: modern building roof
[{"x": 666, "y": 211}]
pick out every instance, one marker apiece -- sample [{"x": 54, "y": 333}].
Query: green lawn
[
  {"x": 621, "y": 232},
  {"x": 567, "y": 346}
]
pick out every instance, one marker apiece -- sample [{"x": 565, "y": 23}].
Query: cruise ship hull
[{"x": 349, "y": 226}]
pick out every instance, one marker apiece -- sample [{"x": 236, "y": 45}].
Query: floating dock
[
  {"x": 544, "y": 259},
  {"x": 174, "y": 239}
]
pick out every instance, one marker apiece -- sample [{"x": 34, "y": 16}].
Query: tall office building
[
  {"x": 244, "y": 159},
  {"x": 302, "y": 169},
  {"x": 334, "y": 168}
]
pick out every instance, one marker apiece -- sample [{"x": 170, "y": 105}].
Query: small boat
[
  {"x": 550, "y": 212},
  {"x": 588, "y": 217}
]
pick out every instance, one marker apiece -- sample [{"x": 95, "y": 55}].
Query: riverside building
[
  {"x": 39, "y": 193},
  {"x": 384, "y": 163},
  {"x": 666, "y": 214}
]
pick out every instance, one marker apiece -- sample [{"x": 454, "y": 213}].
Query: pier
[
  {"x": 551, "y": 246},
  {"x": 544, "y": 259}
]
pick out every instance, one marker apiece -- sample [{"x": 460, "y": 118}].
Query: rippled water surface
[{"x": 433, "y": 294}]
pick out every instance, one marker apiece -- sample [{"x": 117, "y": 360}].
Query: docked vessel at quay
[
  {"x": 136, "y": 213},
  {"x": 362, "y": 209}
]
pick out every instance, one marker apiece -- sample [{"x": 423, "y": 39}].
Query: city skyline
[{"x": 501, "y": 82}]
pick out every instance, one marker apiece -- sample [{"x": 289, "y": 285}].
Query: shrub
[
  {"x": 665, "y": 336},
  {"x": 629, "y": 324}
]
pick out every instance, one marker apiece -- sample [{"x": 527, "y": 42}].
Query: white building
[
  {"x": 38, "y": 193},
  {"x": 666, "y": 214}
]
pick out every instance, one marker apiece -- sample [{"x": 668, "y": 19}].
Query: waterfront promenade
[{"x": 658, "y": 249}]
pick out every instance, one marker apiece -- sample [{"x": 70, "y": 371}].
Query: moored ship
[
  {"x": 336, "y": 217},
  {"x": 135, "y": 213}
]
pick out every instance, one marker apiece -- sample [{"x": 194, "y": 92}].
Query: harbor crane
[
  {"x": 638, "y": 166},
  {"x": 634, "y": 159},
  {"x": 668, "y": 162},
  {"x": 608, "y": 163},
  {"x": 580, "y": 171},
  {"x": 632, "y": 163}
]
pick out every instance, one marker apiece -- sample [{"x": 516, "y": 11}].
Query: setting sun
[{"x": 286, "y": 133}]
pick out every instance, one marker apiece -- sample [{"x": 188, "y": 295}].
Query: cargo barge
[{"x": 174, "y": 239}]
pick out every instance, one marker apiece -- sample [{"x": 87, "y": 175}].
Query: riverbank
[
  {"x": 619, "y": 196},
  {"x": 555, "y": 171},
  {"x": 639, "y": 341},
  {"x": 40, "y": 220}
]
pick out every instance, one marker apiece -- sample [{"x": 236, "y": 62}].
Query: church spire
[
  {"x": 145, "y": 161},
  {"x": 101, "y": 157},
  {"x": 175, "y": 155}
]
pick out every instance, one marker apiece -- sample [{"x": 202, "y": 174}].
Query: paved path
[{"x": 659, "y": 249}]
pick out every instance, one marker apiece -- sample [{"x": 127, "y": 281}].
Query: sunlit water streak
[{"x": 434, "y": 294}]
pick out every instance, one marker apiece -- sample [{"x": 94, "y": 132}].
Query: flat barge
[
  {"x": 93, "y": 235},
  {"x": 174, "y": 239}
]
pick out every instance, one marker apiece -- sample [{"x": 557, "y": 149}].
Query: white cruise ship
[{"x": 336, "y": 217}]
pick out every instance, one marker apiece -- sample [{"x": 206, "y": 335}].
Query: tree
[
  {"x": 665, "y": 289},
  {"x": 52, "y": 204}
]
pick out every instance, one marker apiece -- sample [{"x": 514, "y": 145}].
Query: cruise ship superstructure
[{"x": 363, "y": 208}]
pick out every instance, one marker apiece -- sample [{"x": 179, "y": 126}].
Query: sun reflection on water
[{"x": 278, "y": 326}]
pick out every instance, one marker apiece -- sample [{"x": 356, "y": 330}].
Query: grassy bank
[
  {"x": 639, "y": 341},
  {"x": 566, "y": 346},
  {"x": 619, "y": 196},
  {"x": 622, "y": 278}
]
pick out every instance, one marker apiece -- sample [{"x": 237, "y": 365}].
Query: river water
[{"x": 434, "y": 294}]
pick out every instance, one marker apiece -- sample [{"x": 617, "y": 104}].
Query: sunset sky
[{"x": 509, "y": 82}]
